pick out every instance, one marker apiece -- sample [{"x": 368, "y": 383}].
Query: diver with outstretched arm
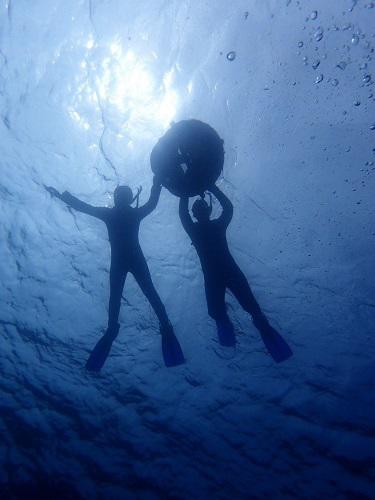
[
  {"x": 123, "y": 222},
  {"x": 221, "y": 271}
]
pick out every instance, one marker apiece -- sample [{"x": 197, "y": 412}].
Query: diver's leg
[
  {"x": 171, "y": 349},
  {"x": 215, "y": 297},
  {"x": 239, "y": 286},
  {"x": 117, "y": 278},
  {"x": 101, "y": 350},
  {"x": 142, "y": 275}
]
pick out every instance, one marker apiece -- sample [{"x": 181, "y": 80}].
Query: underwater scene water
[{"x": 245, "y": 131}]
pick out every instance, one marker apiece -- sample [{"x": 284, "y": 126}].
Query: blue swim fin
[
  {"x": 101, "y": 351},
  {"x": 276, "y": 345},
  {"x": 225, "y": 333},
  {"x": 172, "y": 352}
]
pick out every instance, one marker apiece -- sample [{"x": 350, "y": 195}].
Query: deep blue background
[{"x": 86, "y": 90}]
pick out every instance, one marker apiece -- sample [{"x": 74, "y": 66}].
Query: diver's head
[
  {"x": 201, "y": 210},
  {"x": 123, "y": 196}
]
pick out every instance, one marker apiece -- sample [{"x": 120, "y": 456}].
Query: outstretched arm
[
  {"x": 186, "y": 220},
  {"x": 226, "y": 205},
  {"x": 81, "y": 206},
  {"x": 150, "y": 205}
]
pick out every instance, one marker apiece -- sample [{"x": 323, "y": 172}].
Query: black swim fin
[
  {"x": 101, "y": 351},
  {"x": 172, "y": 352},
  {"x": 275, "y": 344}
]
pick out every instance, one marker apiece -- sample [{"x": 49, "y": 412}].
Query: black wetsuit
[
  {"x": 219, "y": 268},
  {"x": 126, "y": 253}
]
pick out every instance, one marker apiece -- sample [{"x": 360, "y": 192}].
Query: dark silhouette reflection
[
  {"x": 123, "y": 223},
  {"x": 221, "y": 272}
]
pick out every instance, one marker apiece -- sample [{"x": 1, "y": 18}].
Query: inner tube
[{"x": 188, "y": 158}]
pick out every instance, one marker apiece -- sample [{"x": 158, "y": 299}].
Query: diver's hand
[
  {"x": 136, "y": 197},
  {"x": 53, "y": 192}
]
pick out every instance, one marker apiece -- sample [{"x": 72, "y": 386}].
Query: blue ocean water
[{"x": 87, "y": 88}]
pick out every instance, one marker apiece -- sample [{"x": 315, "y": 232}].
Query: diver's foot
[
  {"x": 274, "y": 343},
  {"x": 172, "y": 352},
  {"x": 101, "y": 351},
  {"x": 225, "y": 333}
]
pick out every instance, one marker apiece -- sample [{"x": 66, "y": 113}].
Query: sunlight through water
[{"x": 128, "y": 91}]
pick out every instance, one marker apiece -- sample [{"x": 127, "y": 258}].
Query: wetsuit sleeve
[
  {"x": 150, "y": 205},
  {"x": 81, "y": 206},
  {"x": 226, "y": 205},
  {"x": 186, "y": 220}
]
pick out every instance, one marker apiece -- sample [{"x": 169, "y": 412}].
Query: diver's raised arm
[
  {"x": 80, "y": 206},
  {"x": 226, "y": 204},
  {"x": 150, "y": 205},
  {"x": 183, "y": 210}
]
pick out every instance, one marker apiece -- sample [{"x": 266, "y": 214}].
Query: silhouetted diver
[
  {"x": 221, "y": 271},
  {"x": 123, "y": 223}
]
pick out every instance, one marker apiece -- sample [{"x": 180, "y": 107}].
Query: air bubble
[
  {"x": 300, "y": 44},
  {"x": 335, "y": 82},
  {"x": 357, "y": 103},
  {"x": 342, "y": 65},
  {"x": 231, "y": 56},
  {"x": 314, "y": 15},
  {"x": 354, "y": 3},
  {"x": 318, "y": 35},
  {"x": 355, "y": 40},
  {"x": 367, "y": 79},
  {"x": 370, "y": 5},
  {"x": 319, "y": 78},
  {"x": 372, "y": 127},
  {"x": 315, "y": 63}
]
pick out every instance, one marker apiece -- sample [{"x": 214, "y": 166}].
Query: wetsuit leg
[
  {"x": 275, "y": 344},
  {"x": 171, "y": 349},
  {"x": 141, "y": 273},
  {"x": 117, "y": 276},
  {"x": 102, "y": 349},
  {"x": 239, "y": 286},
  {"x": 215, "y": 296}
]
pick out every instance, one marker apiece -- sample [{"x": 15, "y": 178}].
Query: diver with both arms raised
[
  {"x": 221, "y": 271},
  {"x": 123, "y": 223}
]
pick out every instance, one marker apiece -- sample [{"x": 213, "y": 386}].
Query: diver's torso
[
  {"x": 123, "y": 229},
  {"x": 211, "y": 244}
]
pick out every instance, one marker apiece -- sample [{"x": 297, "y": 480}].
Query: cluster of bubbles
[
  {"x": 317, "y": 35},
  {"x": 339, "y": 56},
  {"x": 355, "y": 38}
]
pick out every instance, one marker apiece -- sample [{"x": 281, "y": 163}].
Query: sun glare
[{"x": 124, "y": 84}]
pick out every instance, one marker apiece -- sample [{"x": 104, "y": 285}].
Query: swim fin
[
  {"x": 101, "y": 351},
  {"x": 275, "y": 344},
  {"x": 225, "y": 333},
  {"x": 172, "y": 352}
]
